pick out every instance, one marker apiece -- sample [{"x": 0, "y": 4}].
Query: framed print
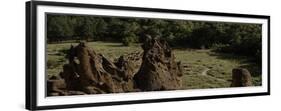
[{"x": 83, "y": 55}]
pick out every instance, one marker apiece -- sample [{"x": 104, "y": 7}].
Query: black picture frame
[{"x": 31, "y": 53}]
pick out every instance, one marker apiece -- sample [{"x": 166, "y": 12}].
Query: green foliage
[
  {"x": 129, "y": 39},
  {"x": 85, "y": 29},
  {"x": 237, "y": 38},
  {"x": 245, "y": 39},
  {"x": 59, "y": 28}
]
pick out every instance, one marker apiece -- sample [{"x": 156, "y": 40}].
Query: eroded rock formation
[
  {"x": 159, "y": 70},
  {"x": 88, "y": 72},
  {"x": 92, "y": 73}
]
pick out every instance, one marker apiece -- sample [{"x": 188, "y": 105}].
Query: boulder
[{"x": 241, "y": 77}]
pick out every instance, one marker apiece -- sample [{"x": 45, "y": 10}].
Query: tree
[
  {"x": 58, "y": 28},
  {"x": 85, "y": 30},
  {"x": 238, "y": 38}
]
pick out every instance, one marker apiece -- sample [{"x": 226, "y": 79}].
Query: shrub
[{"x": 129, "y": 39}]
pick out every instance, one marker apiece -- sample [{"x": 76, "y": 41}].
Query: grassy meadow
[{"x": 202, "y": 68}]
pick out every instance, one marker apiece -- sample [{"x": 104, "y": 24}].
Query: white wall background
[{"x": 12, "y": 55}]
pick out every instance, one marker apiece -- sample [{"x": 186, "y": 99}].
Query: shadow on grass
[
  {"x": 121, "y": 45},
  {"x": 116, "y": 45},
  {"x": 246, "y": 62}
]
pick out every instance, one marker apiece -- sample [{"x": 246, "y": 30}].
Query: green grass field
[{"x": 202, "y": 68}]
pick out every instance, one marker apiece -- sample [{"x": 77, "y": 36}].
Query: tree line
[{"x": 238, "y": 38}]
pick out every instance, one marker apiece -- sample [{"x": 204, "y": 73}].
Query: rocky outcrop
[
  {"x": 92, "y": 73},
  {"x": 241, "y": 77},
  {"x": 159, "y": 70},
  {"x": 88, "y": 72}
]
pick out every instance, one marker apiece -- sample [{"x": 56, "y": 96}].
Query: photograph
[
  {"x": 86, "y": 55},
  {"x": 93, "y": 54}
]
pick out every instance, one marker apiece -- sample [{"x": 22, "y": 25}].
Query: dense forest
[{"x": 236, "y": 38}]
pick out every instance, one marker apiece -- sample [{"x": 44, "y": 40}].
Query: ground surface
[{"x": 202, "y": 68}]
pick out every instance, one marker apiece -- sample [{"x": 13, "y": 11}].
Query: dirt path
[{"x": 204, "y": 73}]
